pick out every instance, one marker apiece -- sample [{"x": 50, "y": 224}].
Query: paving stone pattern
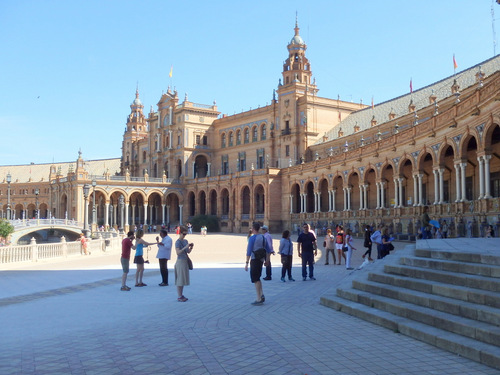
[{"x": 71, "y": 318}]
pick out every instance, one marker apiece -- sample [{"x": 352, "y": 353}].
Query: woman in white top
[{"x": 348, "y": 240}]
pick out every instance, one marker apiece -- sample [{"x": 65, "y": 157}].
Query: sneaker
[
  {"x": 262, "y": 298},
  {"x": 312, "y": 278},
  {"x": 283, "y": 279},
  {"x": 370, "y": 259},
  {"x": 163, "y": 284},
  {"x": 291, "y": 279},
  {"x": 326, "y": 264},
  {"x": 125, "y": 288},
  {"x": 268, "y": 278},
  {"x": 182, "y": 299},
  {"x": 138, "y": 285},
  {"x": 257, "y": 303},
  {"x": 304, "y": 278},
  {"x": 349, "y": 268},
  {"x": 363, "y": 256}
]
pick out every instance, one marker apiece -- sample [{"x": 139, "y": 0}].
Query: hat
[{"x": 264, "y": 227}]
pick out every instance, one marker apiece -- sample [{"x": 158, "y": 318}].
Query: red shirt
[{"x": 126, "y": 247}]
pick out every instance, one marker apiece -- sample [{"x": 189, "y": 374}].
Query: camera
[{"x": 146, "y": 261}]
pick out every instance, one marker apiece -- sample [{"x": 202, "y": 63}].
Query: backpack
[
  {"x": 340, "y": 238},
  {"x": 260, "y": 253}
]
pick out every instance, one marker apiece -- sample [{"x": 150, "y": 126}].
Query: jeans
[
  {"x": 307, "y": 258},
  {"x": 163, "y": 270},
  {"x": 286, "y": 260}
]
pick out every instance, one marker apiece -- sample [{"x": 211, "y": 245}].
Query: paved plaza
[{"x": 70, "y": 317}]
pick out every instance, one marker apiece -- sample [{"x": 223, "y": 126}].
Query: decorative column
[
  {"x": 481, "y": 177},
  {"x": 168, "y": 215},
  {"x": 106, "y": 215},
  {"x": 349, "y": 189},
  {"x": 151, "y": 214},
  {"x": 457, "y": 183},
  {"x": 361, "y": 200},
  {"x": 365, "y": 195},
  {"x": 382, "y": 197},
  {"x": 487, "y": 186},
  {"x": 400, "y": 181},
  {"x": 145, "y": 214},
  {"x": 194, "y": 170},
  {"x": 209, "y": 168},
  {"x": 378, "y": 194},
  {"x": 396, "y": 191},
  {"x": 163, "y": 213},
  {"x": 126, "y": 215},
  {"x": 441, "y": 185},
  {"x": 115, "y": 209},
  {"x": 180, "y": 214},
  {"x": 420, "y": 189},
  {"x": 334, "y": 191},
  {"x": 345, "y": 198},
  {"x": 462, "y": 170},
  {"x": 436, "y": 185},
  {"x": 415, "y": 190},
  {"x": 291, "y": 204}
]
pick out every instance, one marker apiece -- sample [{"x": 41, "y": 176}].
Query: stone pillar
[
  {"x": 396, "y": 191},
  {"x": 145, "y": 214},
  {"x": 382, "y": 198},
  {"x": 334, "y": 191},
  {"x": 349, "y": 189},
  {"x": 126, "y": 215},
  {"x": 481, "y": 177},
  {"x": 400, "y": 181},
  {"x": 378, "y": 194},
  {"x": 415, "y": 190},
  {"x": 436, "y": 185},
  {"x": 462, "y": 170},
  {"x": 291, "y": 204},
  {"x": 180, "y": 214},
  {"x": 168, "y": 215},
  {"x": 457, "y": 183},
  {"x": 365, "y": 196},
  {"x": 441, "y": 185},
  {"x": 209, "y": 169},
  {"x": 106, "y": 215},
  {"x": 487, "y": 186},
  {"x": 420, "y": 189},
  {"x": 345, "y": 199},
  {"x": 163, "y": 214}
]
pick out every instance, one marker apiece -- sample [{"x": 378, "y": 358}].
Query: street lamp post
[
  {"x": 121, "y": 202},
  {"x": 94, "y": 216},
  {"x": 37, "y": 192},
  {"x": 86, "y": 189},
  {"x": 9, "y": 179}
]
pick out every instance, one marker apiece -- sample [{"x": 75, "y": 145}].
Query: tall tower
[
  {"x": 135, "y": 130},
  {"x": 293, "y": 100}
]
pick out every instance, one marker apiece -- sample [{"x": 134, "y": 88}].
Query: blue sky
[{"x": 69, "y": 69}]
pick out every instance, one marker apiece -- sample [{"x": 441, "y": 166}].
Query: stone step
[
  {"x": 480, "y": 269},
  {"x": 458, "y": 292},
  {"x": 471, "y": 281},
  {"x": 463, "y": 346},
  {"x": 483, "y": 251},
  {"x": 462, "y": 326},
  {"x": 486, "y": 314}
]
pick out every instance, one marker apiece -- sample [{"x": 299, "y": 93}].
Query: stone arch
[
  {"x": 387, "y": 174},
  {"x": 492, "y": 146},
  {"x": 213, "y": 202},
  {"x": 338, "y": 187},
  {"x": 255, "y": 133},
  {"x": 425, "y": 165},
  {"x": 246, "y": 134},
  {"x": 191, "y": 202},
  {"x": 406, "y": 171},
  {"x": 353, "y": 182},
  {"x": 202, "y": 202},
  {"x": 225, "y": 202},
  {"x": 446, "y": 161},
  {"x": 263, "y": 131},
  {"x": 173, "y": 209},
  {"x": 223, "y": 140},
  {"x": 245, "y": 200},
  {"x": 259, "y": 199},
  {"x": 155, "y": 215},
  {"x": 469, "y": 155},
  {"x": 309, "y": 191},
  {"x": 200, "y": 166},
  {"x": 323, "y": 195},
  {"x": 370, "y": 179}
]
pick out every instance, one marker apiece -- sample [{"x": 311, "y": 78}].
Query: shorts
[
  {"x": 139, "y": 259},
  {"x": 255, "y": 270},
  {"x": 339, "y": 246},
  {"x": 125, "y": 264}
]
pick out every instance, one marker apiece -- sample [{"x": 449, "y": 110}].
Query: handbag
[
  {"x": 324, "y": 243},
  {"x": 190, "y": 262},
  {"x": 345, "y": 248}
]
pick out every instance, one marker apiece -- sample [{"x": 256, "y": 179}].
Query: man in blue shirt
[
  {"x": 255, "y": 242},
  {"x": 307, "y": 250},
  {"x": 269, "y": 240}
]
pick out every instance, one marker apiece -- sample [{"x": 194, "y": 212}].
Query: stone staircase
[{"x": 442, "y": 292}]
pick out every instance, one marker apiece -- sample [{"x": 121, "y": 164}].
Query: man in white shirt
[{"x": 163, "y": 255}]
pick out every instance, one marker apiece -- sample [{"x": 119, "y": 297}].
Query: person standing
[
  {"x": 444, "y": 229},
  {"x": 339, "y": 243},
  {"x": 426, "y": 226},
  {"x": 182, "y": 248},
  {"x": 139, "y": 258},
  {"x": 376, "y": 237},
  {"x": 163, "y": 255},
  {"x": 269, "y": 240},
  {"x": 256, "y": 242},
  {"x": 329, "y": 245},
  {"x": 307, "y": 250},
  {"x": 127, "y": 245},
  {"x": 286, "y": 252},
  {"x": 85, "y": 243},
  {"x": 348, "y": 243},
  {"x": 368, "y": 243}
]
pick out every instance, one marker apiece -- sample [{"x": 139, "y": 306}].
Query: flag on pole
[
  {"x": 455, "y": 65},
  {"x": 411, "y": 86},
  {"x": 372, "y": 102},
  {"x": 340, "y": 117},
  {"x": 171, "y": 71}
]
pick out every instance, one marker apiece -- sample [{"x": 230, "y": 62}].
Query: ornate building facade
[{"x": 301, "y": 158}]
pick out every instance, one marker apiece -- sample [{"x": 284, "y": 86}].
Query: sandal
[
  {"x": 138, "y": 285},
  {"x": 182, "y": 299},
  {"x": 142, "y": 284}
]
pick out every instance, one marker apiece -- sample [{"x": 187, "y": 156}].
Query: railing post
[
  {"x": 64, "y": 245},
  {"x": 34, "y": 250}
]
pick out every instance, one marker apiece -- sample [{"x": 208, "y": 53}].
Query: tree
[{"x": 6, "y": 228}]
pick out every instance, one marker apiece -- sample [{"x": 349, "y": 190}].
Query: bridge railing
[
  {"x": 17, "y": 224},
  {"x": 33, "y": 252}
]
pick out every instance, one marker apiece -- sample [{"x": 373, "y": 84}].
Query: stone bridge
[{"x": 45, "y": 229}]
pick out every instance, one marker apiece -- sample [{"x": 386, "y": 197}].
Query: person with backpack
[
  {"x": 376, "y": 237},
  {"x": 258, "y": 254},
  {"x": 339, "y": 243}
]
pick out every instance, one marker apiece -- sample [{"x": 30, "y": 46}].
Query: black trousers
[{"x": 163, "y": 270}]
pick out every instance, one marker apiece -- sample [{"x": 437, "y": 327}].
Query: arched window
[
  {"x": 144, "y": 156},
  {"x": 263, "y": 132},
  {"x": 247, "y": 135},
  {"x": 254, "y": 134},
  {"x": 223, "y": 140},
  {"x": 238, "y": 137},
  {"x": 230, "y": 139}
]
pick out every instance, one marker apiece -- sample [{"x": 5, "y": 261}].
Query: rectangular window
[
  {"x": 198, "y": 139},
  {"x": 287, "y": 150},
  {"x": 205, "y": 140},
  {"x": 495, "y": 184}
]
